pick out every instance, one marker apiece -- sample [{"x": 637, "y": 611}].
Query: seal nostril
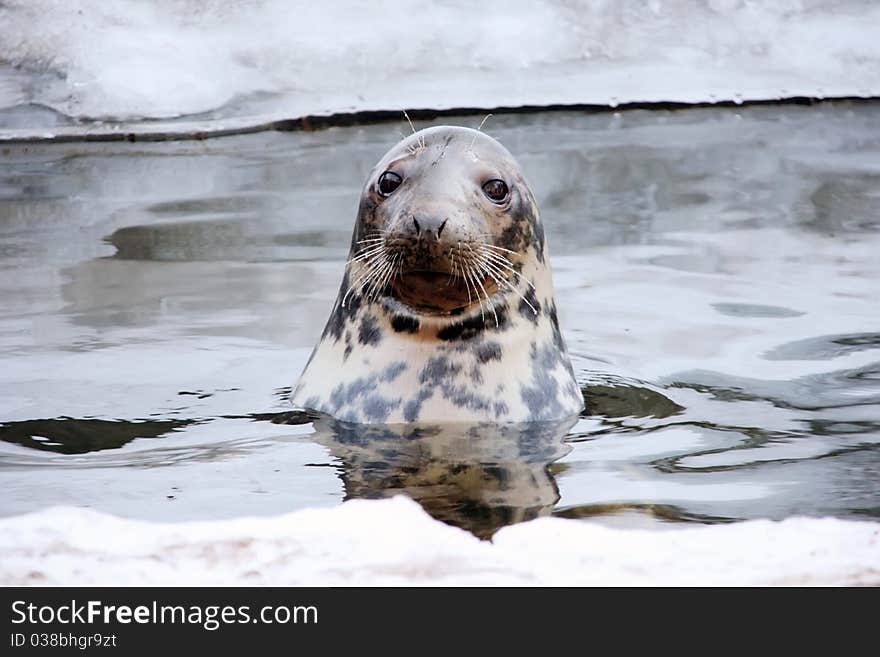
[
  {"x": 418, "y": 227},
  {"x": 440, "y": 230}
]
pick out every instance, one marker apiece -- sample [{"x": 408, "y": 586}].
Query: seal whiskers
[
  {"x": 506, "y": 264},
  {"x": 374, "y": 264},
  {"x": 477, "y": 268},
  {"x": 419, "y": 140},
  {"x": 479, "y": 129},
  {"x": 472, "y": 275},
  {"x": 498, "y": 275},
  {"x": 467, "y": 281}
]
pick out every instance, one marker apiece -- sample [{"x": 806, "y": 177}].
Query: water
[{"x": 718, "y": 281}]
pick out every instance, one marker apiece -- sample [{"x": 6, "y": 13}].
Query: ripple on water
[
  {"x": 754, "y": 310},
  {"x": 825, "y": 347}
]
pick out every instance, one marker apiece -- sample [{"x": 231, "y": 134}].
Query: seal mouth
[{"x": 440, "y": 293}]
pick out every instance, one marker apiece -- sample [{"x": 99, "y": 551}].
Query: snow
[
  {"x": 394, "y": 542},
  {"x": 252, "y": 61}
]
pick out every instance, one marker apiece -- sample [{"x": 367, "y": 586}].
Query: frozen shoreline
[
  {"x": 76, "y": 70},
  {"x": 181, "y": 129},
  {"x": 394, "y": 542}
]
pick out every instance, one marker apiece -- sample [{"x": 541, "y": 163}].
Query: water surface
[{"x": 718, "y": 283}]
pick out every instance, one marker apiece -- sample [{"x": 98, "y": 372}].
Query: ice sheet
[{"x": 129, "y": 60}]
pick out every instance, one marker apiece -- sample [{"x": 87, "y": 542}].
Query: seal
[{"x": 446, "y": 311}]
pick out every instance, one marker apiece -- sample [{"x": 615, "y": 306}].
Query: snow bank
[
  {"x": 128, "y": 60},
  {"x": 394, "y": 542}
]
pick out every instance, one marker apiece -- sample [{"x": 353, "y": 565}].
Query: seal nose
[{"x": 429, "y": 227}]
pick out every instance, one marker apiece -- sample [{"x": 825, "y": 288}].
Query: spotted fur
[{"x": 381, "y": 360}]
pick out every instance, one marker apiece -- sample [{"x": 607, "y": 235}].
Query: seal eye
[
  {"x": 388, "y": 182},
  {"x": 496, "y": 190}
]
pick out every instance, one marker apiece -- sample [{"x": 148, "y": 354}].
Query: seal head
[{"x": 446, "y": 310}]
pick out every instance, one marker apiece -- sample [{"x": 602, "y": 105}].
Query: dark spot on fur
[
  {"x": 543, "y": 396},
  {"x": 349, "y": 401},
  {"x": 440, "y": 373},
  {"x": 464, "y": 329},
  {"x": 340, "y": 316},
  {"x": 413, "y": 407},
  {"x": 377, "y": 409},
  {"x": 465, "y": 398},
  {"x": 538, "y": 229},
  {"x": 525, "y": 310},
  {"x": 405, "y": 324},
  {"x": 558, "y": 341},
  {"x": 473, "y": 326},
  {"x": 488, "y": 351},
  {"x": 437, "y": 370},
  {"x": 369, "y": 332},
  {"x": 344, "y": 394},
  {"x": 393, "y": 371},
  {"x": 513, "y": 237},
  {"x": 348, "y": 346}
]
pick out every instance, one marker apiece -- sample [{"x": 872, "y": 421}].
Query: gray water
[{"x": 718, "y": 283}]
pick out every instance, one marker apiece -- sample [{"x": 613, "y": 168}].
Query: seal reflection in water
[
  {"x": 479, "y": 477},
  {"x": 446, "y": 311}
]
